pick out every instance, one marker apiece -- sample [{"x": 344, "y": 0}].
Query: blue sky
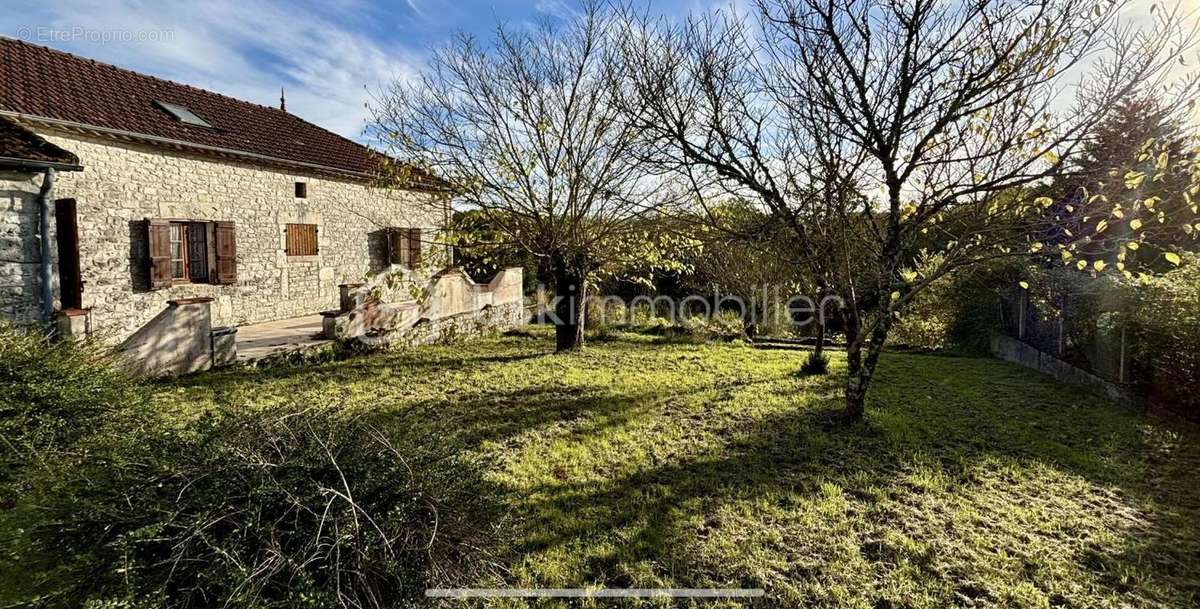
[{"x": 325, "y": 54}]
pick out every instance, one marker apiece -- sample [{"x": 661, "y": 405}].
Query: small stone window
[
  {"x": 301, "y": 240},
  {"x": 301, "y": 190}
]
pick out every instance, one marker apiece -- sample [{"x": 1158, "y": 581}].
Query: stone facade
[
  {"x": 19, "y": 247},
  {"x": 123, "y": 184}
]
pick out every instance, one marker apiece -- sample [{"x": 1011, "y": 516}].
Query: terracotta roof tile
[
  {"x": 43, "y": 82},
  {"x": 22, "y": 145}
]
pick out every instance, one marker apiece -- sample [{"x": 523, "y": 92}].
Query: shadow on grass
[{"x": 972, "y": 481}]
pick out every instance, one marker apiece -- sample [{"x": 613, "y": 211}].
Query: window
[
  {"x": 189, "y": 251},
  {"x": 404, "y": 247},
  {"x": 182, "y": 114},
  {"x": 301, "y": 190},
  {"x": 301, "y": 240}
]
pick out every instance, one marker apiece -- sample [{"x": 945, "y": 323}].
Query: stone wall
[
  {"x": 122, "y": 184},
  {"x": 20, "y": 257},
  {"x": 497, "y": 318}
]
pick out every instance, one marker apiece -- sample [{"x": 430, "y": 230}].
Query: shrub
[
  {"x": 250, "y": 509},
  {"x": 1164, "y": 329},
  {"x": 51, "y": 394},
  {"x": 815, "y": 364},
  {"x": 723, "y": 326}
]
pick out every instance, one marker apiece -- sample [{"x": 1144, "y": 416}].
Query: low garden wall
[{"x": 1013, "y": 350}]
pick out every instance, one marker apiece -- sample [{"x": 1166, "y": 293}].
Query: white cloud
[{"x": 242, "y": 48}]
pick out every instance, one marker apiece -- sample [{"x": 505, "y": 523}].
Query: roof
[
  {"x": 23, "y": 148},
  {"x": 52, "y": 87}
]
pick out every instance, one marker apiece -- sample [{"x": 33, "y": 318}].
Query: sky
[{"x": 327, "y": 55}]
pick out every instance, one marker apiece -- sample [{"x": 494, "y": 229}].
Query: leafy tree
[
  {"x": 743, "y": 254},
  {"x": 524, "y": 131},
  {"x": 870, "y": 125}
]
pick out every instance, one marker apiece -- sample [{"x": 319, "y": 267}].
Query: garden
[{"x": 643, "y": 461}]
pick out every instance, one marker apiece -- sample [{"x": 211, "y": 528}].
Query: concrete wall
[
  {"x": 124, "y": 183},
  {"x": 177, "y": 341},
  {"x": 453, "y": 292},
  {"x": 20, "y": 258},
  {"x": 1013, "y": 350}
]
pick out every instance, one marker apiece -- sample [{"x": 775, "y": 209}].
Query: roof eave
[{"x": 20, "y": 164}]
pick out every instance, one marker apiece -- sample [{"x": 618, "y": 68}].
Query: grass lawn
[{"x": 639, "y": 463}]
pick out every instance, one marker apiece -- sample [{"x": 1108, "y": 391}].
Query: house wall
[
  {"x": 123, "y": 184},
  {"x": 20, "y": 257}
]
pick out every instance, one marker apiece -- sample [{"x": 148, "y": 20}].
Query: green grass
[{"x": 650, "y": 464}]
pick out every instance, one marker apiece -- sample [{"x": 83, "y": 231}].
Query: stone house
[{"x": 124, "y": 197}]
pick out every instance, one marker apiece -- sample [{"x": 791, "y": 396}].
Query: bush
[
  {"x": 723, "y": 326},
  {"x": 1164, "y": 329},
  {"x": 958, "y": 311},
  {"x": 253, "y": 509},
  {"x": 815, "y": 364},
  {"x": 128, "y": 507},
  {"x": 51, "y": 394}
]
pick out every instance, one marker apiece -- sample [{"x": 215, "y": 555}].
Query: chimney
[{"x": 282, "y": 101}]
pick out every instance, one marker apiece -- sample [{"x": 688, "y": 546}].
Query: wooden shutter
[
  {"x": 158, "y": 239},
  {"x": 301, "y": 240},
  {"x": 397, "y": 244},
  {"x": 414, "y": 247},
  {"x": 225, "y": 234}
]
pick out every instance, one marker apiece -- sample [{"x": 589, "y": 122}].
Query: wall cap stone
[{"x": 189, "y": 301}]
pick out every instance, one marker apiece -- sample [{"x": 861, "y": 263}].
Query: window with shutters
[
  {"x": 301, "y": 240},
  {"x": 190, "y": 251},
  {"x": 404, "y": 247}
]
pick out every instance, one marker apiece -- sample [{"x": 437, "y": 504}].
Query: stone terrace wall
[{"x": 122, "y": 184}]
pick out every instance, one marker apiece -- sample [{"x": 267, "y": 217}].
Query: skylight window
[{"x": 183, "y": 114}]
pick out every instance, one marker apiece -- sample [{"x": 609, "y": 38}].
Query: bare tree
[
  {"x": 898, "y": 137},
  {"x": 525, "y": 132}
]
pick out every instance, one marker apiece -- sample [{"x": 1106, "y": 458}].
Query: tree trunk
[
  {"x": 571, "y": 292},
  {"x": 819, "y": 347},
  {"x": 861, "y": 359}
]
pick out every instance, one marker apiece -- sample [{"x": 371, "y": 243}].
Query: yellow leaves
[
  {"x": 1044, "y": 201},
  {"x": 1118, "y": 213},
  {"x": 1135, "y": 224},
  {"x": 895, "y": 296},
  {"x": 1150, "y": 202},
  {"x": 1162, "y": 161},
  {"x": 1051, "y": 157},
  {"x": 1173, "y": 258},
  {"x": 1082, "y": 264},
  {"x": 908, "y": 276},
  {"x": 1066, "y": 256},
  {"x": 1098, "y": 265},
  {"x": 1024, "y": 285},
  {"x": 1133, "y": 179},
  {"x": 1101, "y": 226},
  {"x": 1035, "y": 248},
  {"x": 1133, "y": 245},
  {"x": 908, "y": 209}
]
